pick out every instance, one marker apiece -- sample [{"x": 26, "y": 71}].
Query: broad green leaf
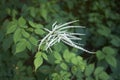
[
  {"x": 74, "y": 60},
  {"x": 104, "y": 31},
  {"x": 21, "y": 21},
  {"x": 115, "y": 41},
  {"x": 74, "y": 69},
  {"x": 25, "y": 34},
  {"x": 57, "y": 56},
  {"x": 32, "y": 24},
  {"x": 65, "y": 55},
  {"x": 89, "y": 78},
  {"x": 89, "y": 69},
  {"x": 57, "y": 61},
  {"x": 35, "y": 25},
  {"x": 111, "y": 60},
  {"x": 20, "y": 46},
  {"x": 17, "y": 35},
  {"x": 44, "y": 56},
  {"x": 33, "y": 40},
  {"x": 28, "y": 45},
  {"x": 44, "y": 12},
  {"x": 39, "y": 31},
  {"x": 45, "y": 69},
  {"x": 38, "y": 62},
  {"x": 11, "y": 29},
  {"x": 100, "y": 55},
  {"x": 64, "y": 66},
  {"x": 104, "y": 76},
  {"x": 32, "y": 11},
  {"x": 108, "y": 50},
  {"x": 7, "y": 42},
  {"x": 38, "y": 54},
  {"x": 98, "y": 70}
]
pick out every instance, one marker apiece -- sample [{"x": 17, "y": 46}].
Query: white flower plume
[{"x": 59, "y": 33}]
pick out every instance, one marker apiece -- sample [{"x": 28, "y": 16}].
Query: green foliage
[{"x": 21, "y": 29}]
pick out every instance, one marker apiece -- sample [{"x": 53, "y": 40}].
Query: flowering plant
[{"x": 59, "y": 33}]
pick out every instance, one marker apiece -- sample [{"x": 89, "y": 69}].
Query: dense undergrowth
[{"x": 21, "y": 29}]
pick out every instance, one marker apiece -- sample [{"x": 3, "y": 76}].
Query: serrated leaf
[
  {"x": 89, "y": 69},
  {"x": 98, "y": 70},
  {"x": 39, "y": 31},
  {"x": 111, "y": 60},
  {"x": 38, "y": 62},
  {"x": 17, "y": 35},
  {"x": 25, "y": 34},
  {"x": 100, "y": 55},
  {"x": 63, "y": 66},
  {"x": 11, "y": 29},
  {"x": 21, "y": 21},
  {"x": 20, "y": 46}
]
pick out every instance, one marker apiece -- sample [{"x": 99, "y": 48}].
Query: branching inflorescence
[{"x": 59, "y": 33}]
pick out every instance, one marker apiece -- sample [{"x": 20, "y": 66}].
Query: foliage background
[{"x": 21, "y": 23}]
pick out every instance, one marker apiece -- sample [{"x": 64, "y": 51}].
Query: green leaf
[
  {"x": 89, "y": 78},
  {"x": 33, "y": 40},
  {"x": 104, "y": 76},
  {"x": 65, "y": 55},
  {"x": 57, "y": 56},
  {"x": 111, "y": 60},
  {"x": 21, "y": 46},
  {"x": 115, "y": 41},
  {"x": 44, "y": 56},
  {"x": 98, "y": 70},
  {"x": 43, "y": 12},
  {"x": 29, "y": 46},
  {"x": 21, "y": 21},
  {"x": 108, "y": 50},
  {"x": 35, "y": 25},
  {"x": 45, "y": 69},
  {"x": 63, "y": 66},
  {"x": 38, "y": 54},
  {"x": 100, "y": 55},
  {"x": 38, "y": 62},
  {"x": 7, "y": 42},
  {"x": 32, "y": 11},
  {"x": 32, "y": 24},
  {"x": 104, "y": 31},
  {"x": 17, "y": 35},
  {"x": 89, "y": 69},
  {"x": 39, "y": 31},
  {"x": 74, "y": 60},
  {"x": 11, "y": 29},
  {"x": 25, "y": 34}
]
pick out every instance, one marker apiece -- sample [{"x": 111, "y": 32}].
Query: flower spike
[{"x": 59, "y": 33}]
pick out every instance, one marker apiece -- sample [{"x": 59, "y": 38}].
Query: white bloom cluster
[{"x": 59, "y": 33}]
